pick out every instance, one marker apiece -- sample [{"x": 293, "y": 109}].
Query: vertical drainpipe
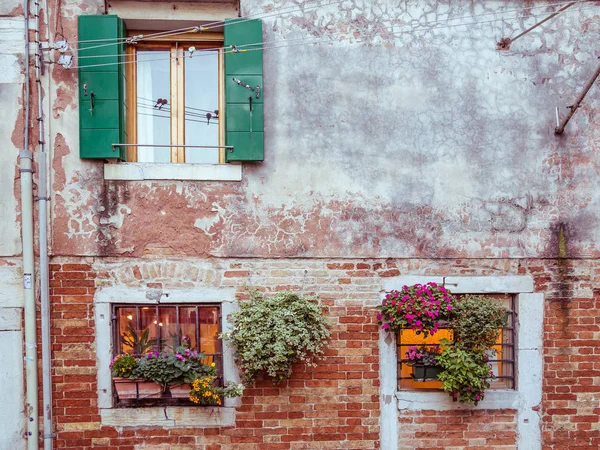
[
  {"x": 30, "y": 359},
  {"x": 26, "y": 175},
  {"x": 43, "y": 234}
]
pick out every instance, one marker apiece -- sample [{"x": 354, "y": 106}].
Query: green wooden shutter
[
  {"x": 244, "y": 62},
  {"x": 101, "y": 49}
]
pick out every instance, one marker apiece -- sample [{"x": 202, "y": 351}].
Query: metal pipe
[
  {"x": 559, "y": 129},
  {"x": 30, "y": 358},
  {"x": 26, "y": 175},
  {"x": 43, "y": 239},
  {"x": 172, "y": 145},
  {"x": 504, "y": 44}
]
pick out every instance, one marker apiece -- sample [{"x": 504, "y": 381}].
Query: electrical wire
[
  {"x": 162, "y": 34},
  {"x": 328, "y": 38}
]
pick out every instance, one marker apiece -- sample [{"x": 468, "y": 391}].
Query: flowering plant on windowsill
[
  {"x": 425, "y": 355},
  {"x": 170, "y": 369},
  {"x": 419, "y": 307},
  {"x": 204, "y": 392}
]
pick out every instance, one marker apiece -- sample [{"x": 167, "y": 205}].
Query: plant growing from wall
[
  {"x": 477, "y": 321},
  {"x": 270, "y": 334}
]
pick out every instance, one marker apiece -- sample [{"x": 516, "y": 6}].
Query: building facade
[{"x": 374, "y": 144}]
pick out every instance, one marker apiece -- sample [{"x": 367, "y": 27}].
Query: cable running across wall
[
  {"x": 212, "y": 25},
  {"x": 327, "y": 38}
]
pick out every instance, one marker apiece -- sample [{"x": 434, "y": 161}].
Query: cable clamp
[
  {"x": 134, "y": 39},
  {"x": 26, "y": 170},
  {"x": 25, "y": 154}
]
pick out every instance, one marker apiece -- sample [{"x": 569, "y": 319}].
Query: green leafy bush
[
  {"x": 476, "y": 322},
  {"x": 270, "y": 334},
  {"x": 466, "y": 373}
]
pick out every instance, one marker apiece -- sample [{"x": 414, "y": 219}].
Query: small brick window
[
  {"x": 503, "y": 363},
  {"x": 140, "y": 329}
]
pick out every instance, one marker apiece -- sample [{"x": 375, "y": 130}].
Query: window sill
[
  {"x": 441, "y": 401},
  {"x": 169, "y": 417},
  {"x": 172, "y": 171}
]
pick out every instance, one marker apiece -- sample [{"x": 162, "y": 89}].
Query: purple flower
[
  {"x": 379, "y": 316},
  {"x": 477, "y": 397}
]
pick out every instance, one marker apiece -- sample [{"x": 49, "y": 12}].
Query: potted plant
[
  {"x": 270, "y": 334},
  {"x": 127, "y": 384},
  {"x": 423, "y": 360},
  {"x": 419, "y": 307},
  {"x": 169, "y": 369}
]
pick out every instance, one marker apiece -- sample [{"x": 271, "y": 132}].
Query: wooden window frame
[{"x": 177, "y": 94}]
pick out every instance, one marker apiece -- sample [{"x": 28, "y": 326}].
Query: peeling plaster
[{"x": 443, "y": 148}]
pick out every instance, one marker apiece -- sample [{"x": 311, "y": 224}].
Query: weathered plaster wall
[
  {"x": 426, "y": 143},
  {"x": 12, "y": 46}
]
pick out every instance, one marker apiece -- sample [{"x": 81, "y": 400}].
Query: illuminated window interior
[
  {"x": 503, "y": 362},
  {"x": 142, "y": 329}
]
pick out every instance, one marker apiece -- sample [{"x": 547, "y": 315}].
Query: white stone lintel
[
  {"x": 123, "y": 294},
  {"x": 172, "y": 171}
]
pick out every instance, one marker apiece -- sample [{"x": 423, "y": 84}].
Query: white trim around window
[
  {"x": 169, "y": 416},
  {"x": 527, "y": 395}
]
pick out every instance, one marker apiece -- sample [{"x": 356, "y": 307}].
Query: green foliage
[
  {"x": 270, "y": 334},
  {"x": 204, "y": 392},
  {"x": 477, "y": 321},
  {"x": 139, "y": 344},
  {"x": 168, "y": 369},
  {"x": 466, "y": 374},
  {"x": 123, "y": 366}
]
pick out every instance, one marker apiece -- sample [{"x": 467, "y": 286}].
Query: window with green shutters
[{"x": 209, "y": 94}]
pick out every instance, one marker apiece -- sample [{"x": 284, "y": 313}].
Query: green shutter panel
[
  {"x": 244, "y": 130},
  {"x": 102, "y": 107}
]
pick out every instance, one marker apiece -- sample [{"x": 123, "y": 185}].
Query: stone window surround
[
  {"x": 165, "y": 416},
  {"x": 136, "y": 171},
  {"x": 527, "y": 395}
]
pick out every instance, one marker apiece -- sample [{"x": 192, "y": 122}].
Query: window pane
[
  {"x": 153, "y": 117},
  {"x": 187, "y": 324},
  {"x": 127, "y": 330},
  {"x": 209, "y": 331},
  {"x": 202, "y": 98},
  {"x": 168, "y": 333},
  {"x": 148, "y": 322}
]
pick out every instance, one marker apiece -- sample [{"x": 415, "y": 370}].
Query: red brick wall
[{"x": 336, "y": 404}]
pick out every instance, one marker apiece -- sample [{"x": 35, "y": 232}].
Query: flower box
[
  {"x": 135, "y": 389},
  {"x": 422, "y": 372},
  {"x": 181, "y": 391}
]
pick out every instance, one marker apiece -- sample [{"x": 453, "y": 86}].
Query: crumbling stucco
[{"x": 421, "y": 140}]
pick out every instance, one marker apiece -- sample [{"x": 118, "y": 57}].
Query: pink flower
[
  {"x": 455, "y": 395},
  {"x": 383, "y": 303},
  {"x": 469, "y": 388},
  {"x": 385, "y": 326},
  {"x": 410, "y": 317},
  {"x": 379, "y": 316},
  {"x": 449, "y": 307},
  {"x": 477, "y": 397},
  {"x": 418, "y": 323},
  {"x": 393, "y": 302}
]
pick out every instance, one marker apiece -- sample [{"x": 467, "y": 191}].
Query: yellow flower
[{"x": 212, "y": 364}]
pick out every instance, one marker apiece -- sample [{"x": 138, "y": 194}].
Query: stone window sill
[
  {"x": 169, "y": 417},
  {"x": 172, "y": 171},
  {"x": 441, "y": 401}
]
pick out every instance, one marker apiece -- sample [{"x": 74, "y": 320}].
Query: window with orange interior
[
  {"x": 141, "y": 329},
  {"x": 502, "y": 362}
]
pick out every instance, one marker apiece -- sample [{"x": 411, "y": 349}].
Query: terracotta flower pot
[
  {"x": 128, "y": 389},
  {"x": 180, "y": 391}
]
